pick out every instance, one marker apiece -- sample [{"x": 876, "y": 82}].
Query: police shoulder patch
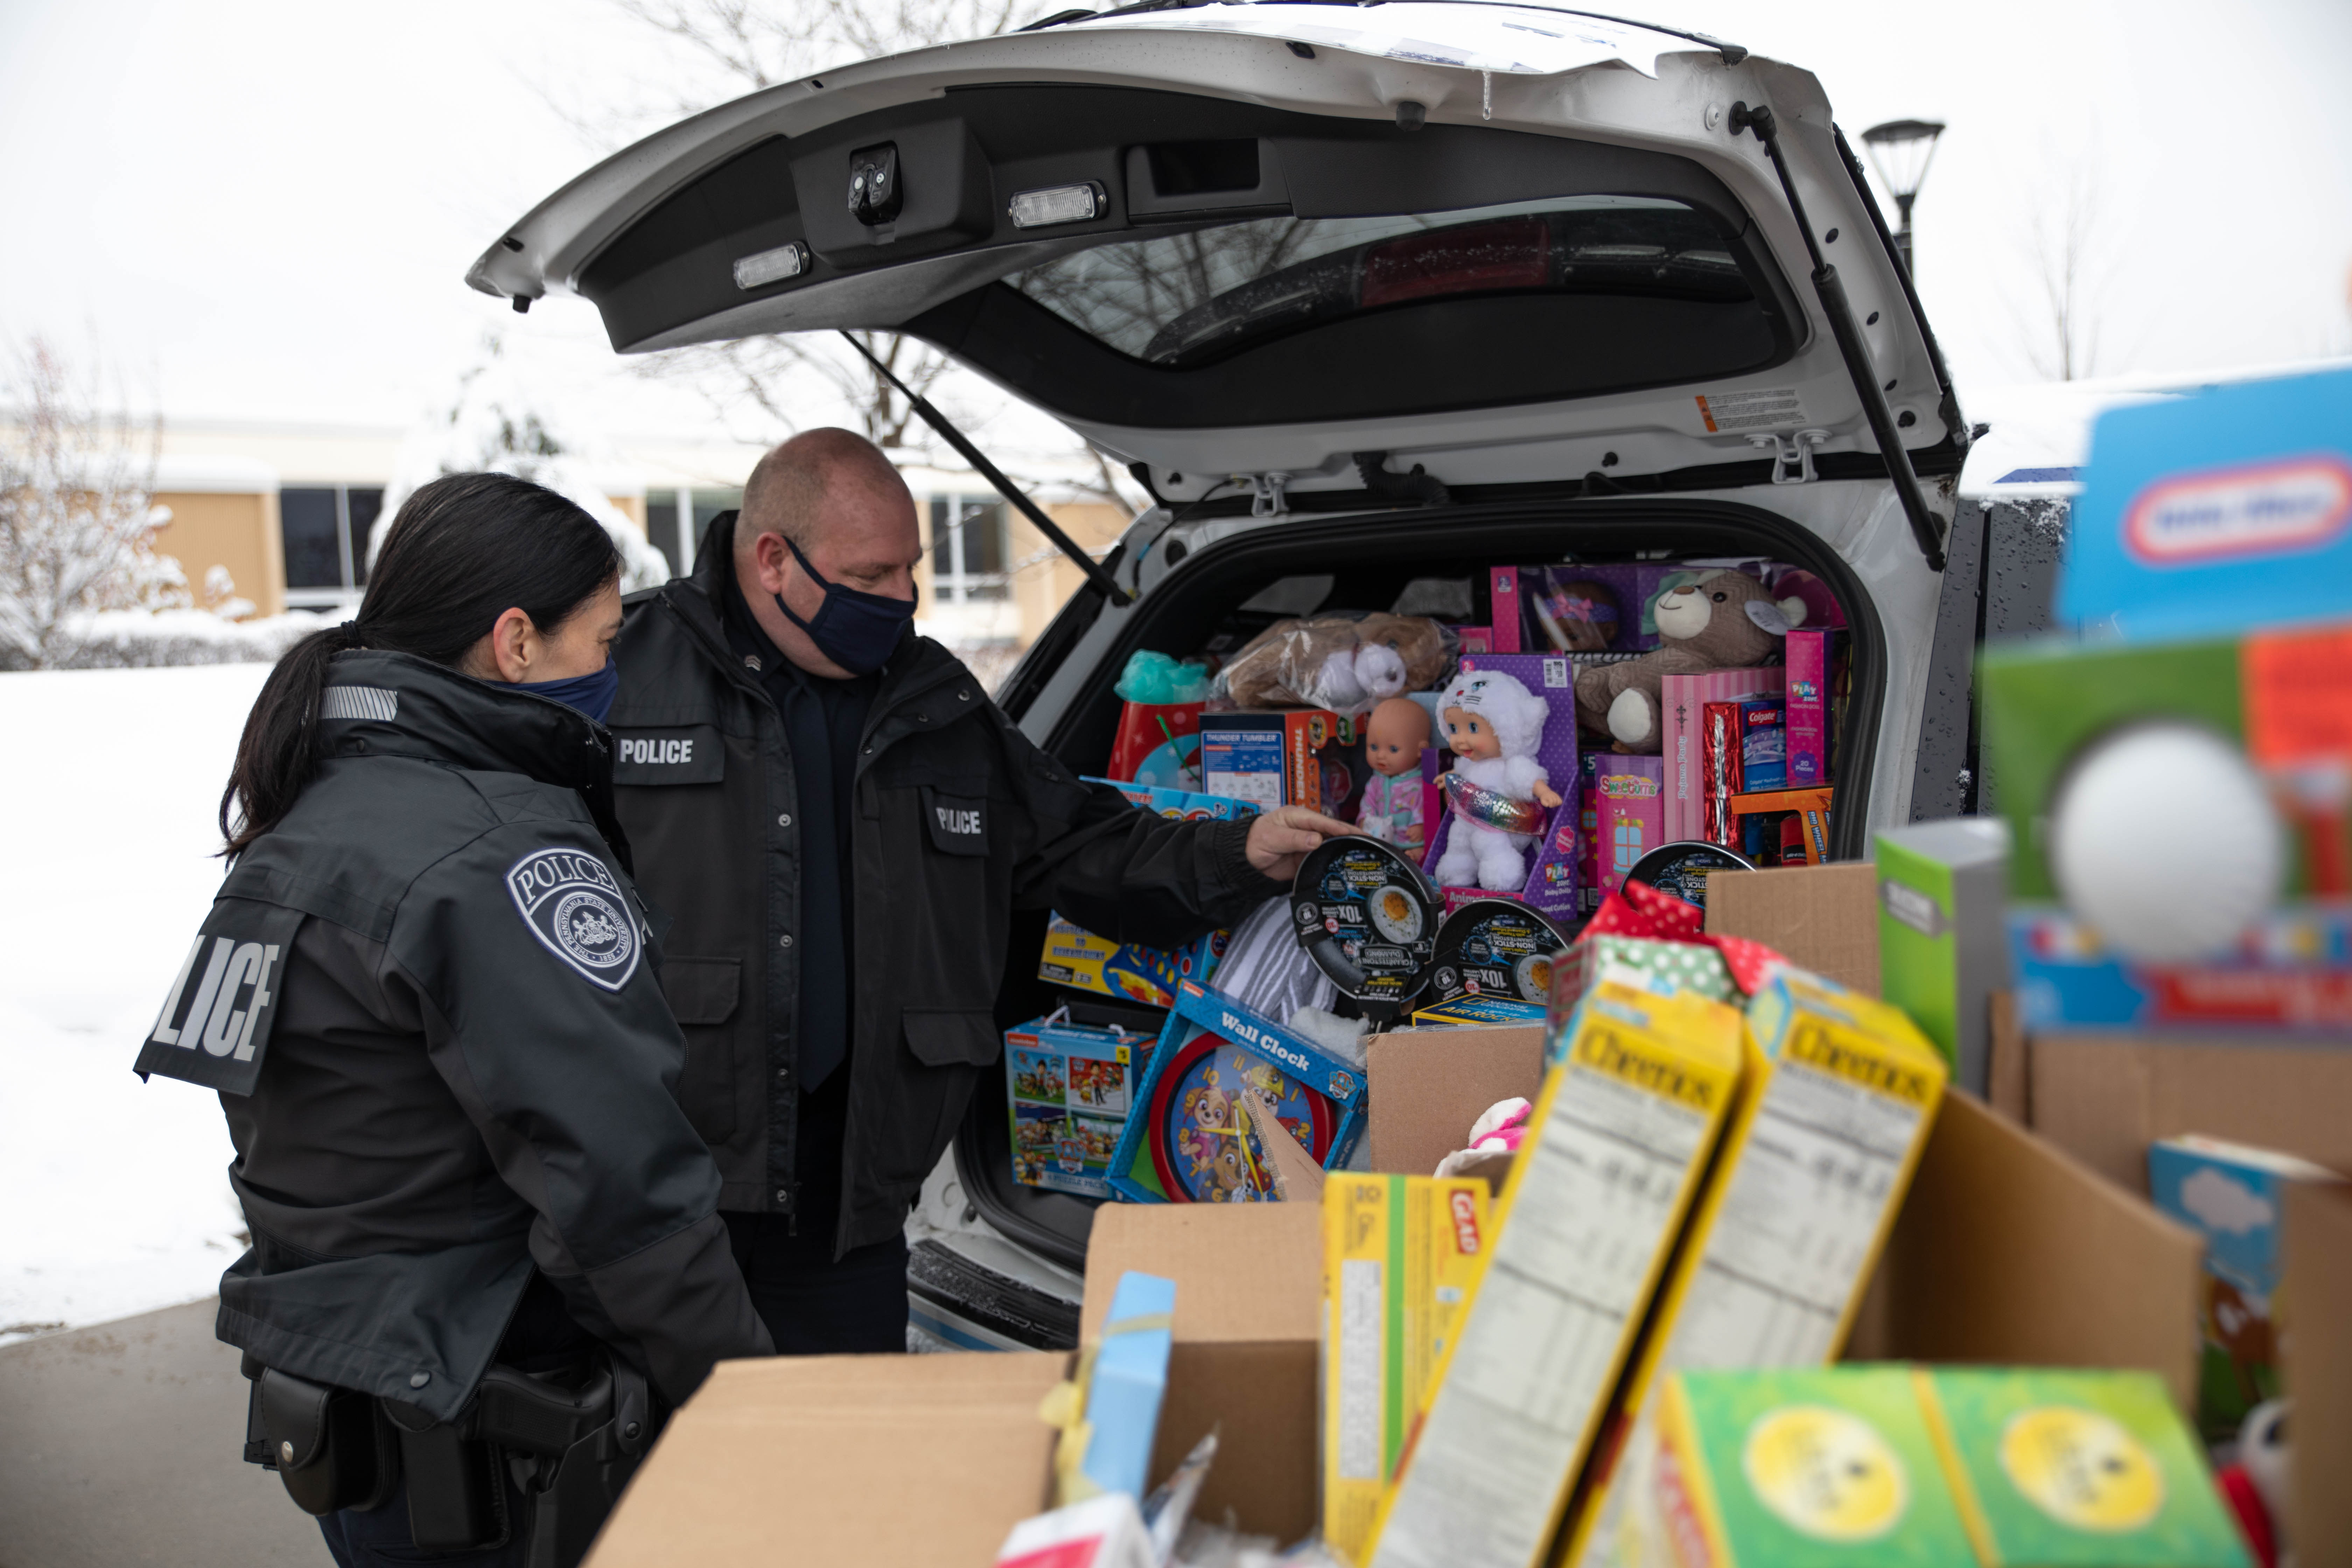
[
  {"x": 214, "y": 1027},
  {"x": 579, "y": 911}
]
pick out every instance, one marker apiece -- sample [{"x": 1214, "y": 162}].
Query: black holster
[{"x": 568, "y": 1442}]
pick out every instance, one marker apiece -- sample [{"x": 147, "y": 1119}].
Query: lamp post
[{"x": 1901, "y": 150}]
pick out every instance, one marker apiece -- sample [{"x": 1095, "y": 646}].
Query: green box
[
  {"x": 2043, "y": 701},
  {"x": 1942, "y": 947},
  {"x": 2076, "y": 1469},
  {"x": 1818, "y": 1467}
]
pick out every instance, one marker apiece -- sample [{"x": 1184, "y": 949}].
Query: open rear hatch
[{"x": 1217, "y": 249}]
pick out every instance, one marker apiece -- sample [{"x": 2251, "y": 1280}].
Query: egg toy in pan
[
  {"x": 1367, "y": 916},
  {"x": 1497, "y": 948}
]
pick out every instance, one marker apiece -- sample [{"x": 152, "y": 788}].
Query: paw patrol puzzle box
[
  {"x": 1124, "y": 972},
  {"x": 1070, "y": 1089},
  {"x": 1188, "y": 1140}
]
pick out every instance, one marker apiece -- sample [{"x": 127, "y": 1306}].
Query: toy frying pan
[
  {"x": 1202, "y": 1148},
  {"x": 1368, "y": 917},
  {"x": 1497, "y": 948}
]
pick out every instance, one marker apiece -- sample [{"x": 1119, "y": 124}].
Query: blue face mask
[
  {"x": 590, "y": 694},
  {"x": 856, "y": 631}
]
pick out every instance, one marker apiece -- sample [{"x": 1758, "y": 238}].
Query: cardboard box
[
  {"x": 1425, "y": 1087},
  {"x": 1249, "y": 1293},
  {"x": 2316, "y": 1355},
  {"x": 2007, "y": 1252},
  {"x": 1822, "y": 917},
  {"x": 2105, "y": 1098}
]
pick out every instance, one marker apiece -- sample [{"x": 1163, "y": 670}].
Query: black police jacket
[
  {"x": 958, "y": 821},
  {"x": 429, "y": 997}
]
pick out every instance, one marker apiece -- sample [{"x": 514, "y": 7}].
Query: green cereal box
[
  {"x": 1818, "y": 1467},
  {"x": 1943, "y": 945},
  {"x": 2076, "y": 1469}
]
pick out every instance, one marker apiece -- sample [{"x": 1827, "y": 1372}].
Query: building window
[
  {"x": 325, "y": 528},
  {"x": 663, "y": 508},
  {"x": 968, "y": 549}
]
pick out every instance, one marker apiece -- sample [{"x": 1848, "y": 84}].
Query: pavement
[{"x": 120, "y": 1444}]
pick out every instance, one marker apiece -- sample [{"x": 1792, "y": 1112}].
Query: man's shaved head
[
  {"x": 834, "y": 498},
  {"x": 815, "y": 475}
]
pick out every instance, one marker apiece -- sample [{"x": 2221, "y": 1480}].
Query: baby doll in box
[
  {"x": 1501, "y": 795},
  {"x": 1394, "y": 737}
]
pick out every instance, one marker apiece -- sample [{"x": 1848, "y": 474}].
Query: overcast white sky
[{"x": 263, "y": 208}]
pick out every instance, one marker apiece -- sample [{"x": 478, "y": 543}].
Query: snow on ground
[{"x": 117, "y": 1197}]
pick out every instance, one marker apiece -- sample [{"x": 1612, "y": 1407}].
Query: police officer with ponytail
[{"x": 485, "y": 1253}]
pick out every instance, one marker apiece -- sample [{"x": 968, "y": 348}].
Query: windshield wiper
[
  {"x": 1850, "y": 348},
  {"x": 1093, "y": 569}
]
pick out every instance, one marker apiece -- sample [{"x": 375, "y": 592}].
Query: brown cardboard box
[
  {"x": 2105, "y": 1098},
  {"x": 1249, "y": 1321},
  {"x": 1823, "y": 918},
  {"x": 879, "y": 1460},
  {"x": 2006, "y": 1250},
  {"x": 1427, "y": 1086},
  {"x": 2317, "y": 1352}
]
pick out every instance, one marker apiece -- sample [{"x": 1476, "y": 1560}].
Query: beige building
[{"x": 288, "y": 511}]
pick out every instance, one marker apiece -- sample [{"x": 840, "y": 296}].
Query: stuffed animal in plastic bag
[
  {"x": 1333, "y": 661},
  {"x": 1494, "y": 723},
  {"x": 1726, "y": 620}
]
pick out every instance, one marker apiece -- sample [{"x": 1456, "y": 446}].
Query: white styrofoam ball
[{"x": 2164, "y": 839}]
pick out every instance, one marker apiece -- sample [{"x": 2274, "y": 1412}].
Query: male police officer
[{"x": 842, "y": 823}]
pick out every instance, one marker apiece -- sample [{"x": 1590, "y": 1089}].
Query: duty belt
[{"x": 568, "y": 1442}]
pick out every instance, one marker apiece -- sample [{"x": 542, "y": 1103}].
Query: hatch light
[
  {"x": 766, "y": 267},
  {"x": 1058, "y": 204}
]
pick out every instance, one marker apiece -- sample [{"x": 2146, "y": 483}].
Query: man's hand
[{"x": 1279, "y": 839}]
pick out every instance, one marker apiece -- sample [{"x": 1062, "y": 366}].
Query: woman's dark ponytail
[{"x": 461, "y": 551}]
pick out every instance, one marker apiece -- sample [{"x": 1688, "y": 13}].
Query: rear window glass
[{"x": 1187, "y": 299}]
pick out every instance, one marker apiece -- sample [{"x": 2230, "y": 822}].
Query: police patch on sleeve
[
  {"x": 579, "y": 911},
  {"x": 214, "y": 1027}
]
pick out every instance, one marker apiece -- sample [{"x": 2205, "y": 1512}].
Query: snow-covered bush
[{"x": 144, "y": 639}]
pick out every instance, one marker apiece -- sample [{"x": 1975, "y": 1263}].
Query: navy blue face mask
[
  {"x": 590, "y": 694},
  {"x": 856, "y": 631}
]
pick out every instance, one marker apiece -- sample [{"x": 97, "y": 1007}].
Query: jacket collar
[{"x": 379, "y": 704}]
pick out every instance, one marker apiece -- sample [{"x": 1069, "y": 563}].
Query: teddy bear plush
[
  {"x": 1726, "y": 620},
  {"x": 1335, "y": 662}
]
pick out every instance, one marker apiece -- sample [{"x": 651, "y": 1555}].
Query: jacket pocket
[
  {"x": 703, "y": 994},
  {"x": 702, "y": 990},
  {"x": 946, "y": 1040}
]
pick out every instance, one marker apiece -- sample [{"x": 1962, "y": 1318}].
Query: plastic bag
[
  {"x": 1342, "y": 662},
  {"x": 1159, "y": 679}
]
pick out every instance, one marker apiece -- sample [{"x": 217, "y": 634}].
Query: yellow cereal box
[
  {"x": 1615, "y": 1151},
  {"x": 1840, "y": 1090},
  {"x": 1401, "y": 1258}
]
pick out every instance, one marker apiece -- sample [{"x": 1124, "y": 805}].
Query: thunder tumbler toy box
[
  {"x": 1301, "y": 757},
  {"x": 1069, "y": 1090}
]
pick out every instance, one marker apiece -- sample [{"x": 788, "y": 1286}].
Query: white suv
[{"x": 1371, "y": 299}]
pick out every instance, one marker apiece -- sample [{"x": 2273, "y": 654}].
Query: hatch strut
[
  {"x": 987, "y": 470},
  {"x": 1832, "y": 290}
]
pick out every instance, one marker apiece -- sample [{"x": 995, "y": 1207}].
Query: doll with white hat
[{"x": 1494, "y": 724}]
